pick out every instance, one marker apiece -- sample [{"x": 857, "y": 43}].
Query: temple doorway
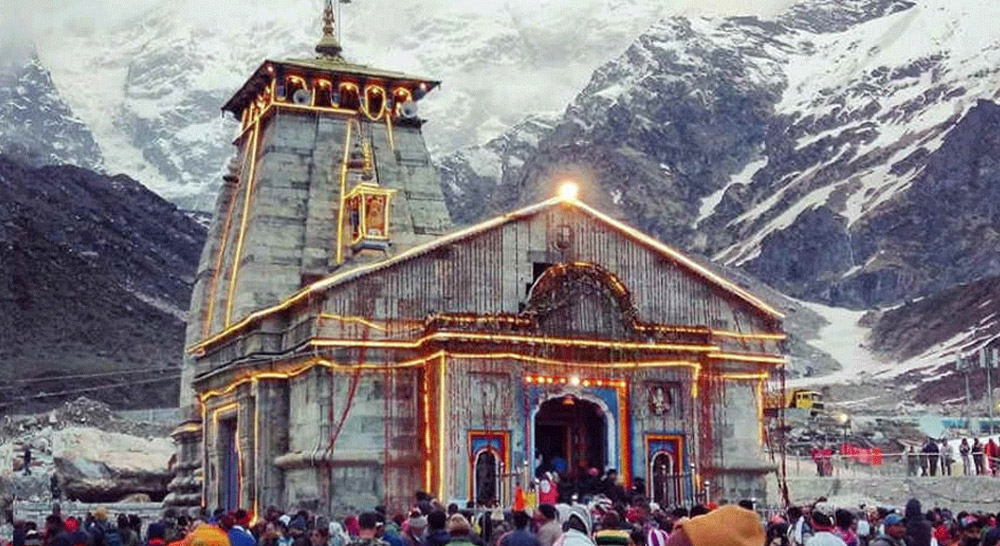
[
  {"x": 230, "y": 472},
  {"x": 486, "y": 480},
  {"x": 571, "y": 436},
  {"x": 667, "y": 484}
]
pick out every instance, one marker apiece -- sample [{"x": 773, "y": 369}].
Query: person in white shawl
[
  {"x": 338, "y": 536},
  {"x": 577, "y": 527}
]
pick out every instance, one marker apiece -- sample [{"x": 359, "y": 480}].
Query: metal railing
[
  {"x": 674, "y": 490},
  {"x": 665, "y": 489}
]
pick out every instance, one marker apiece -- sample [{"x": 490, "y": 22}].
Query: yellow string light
[
  {"x": 580, "y": 364},
  {"x": 443, "y": 400},
  {"x": 220, "y": 256},
  {"x": 746, "y": 376},
  {"x": 248, "y": 190},
  {"x": 366, "y": 105},
  {"x": 749, "y": 357},
  {"x": 308, "y": 364},
  {"x": 427, "y": 429},
  {"x": 406, "y": 95},
  {"x": 343, "y": 198},
  {"x": 323, "y": 284},
  {"x": 332, "y": 280},
  {"x": 541, "y": 340}
]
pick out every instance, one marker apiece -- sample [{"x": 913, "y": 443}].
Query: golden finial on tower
[{"x": 328, "y": 45}]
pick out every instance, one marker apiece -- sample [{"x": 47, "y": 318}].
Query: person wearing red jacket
[
  {"x": 548, "y": 490},
  {"x": 992, "y": 455}
]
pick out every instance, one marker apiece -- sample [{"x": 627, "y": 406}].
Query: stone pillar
[
  {"x": 740, "y": 462},
  {"x": 185, "y": 488},
  {"x": 271, "y": 397},
  {"x": 245, "y": 438},
  {"x": 210, "y": 460},
  {"x": 324, "y": 399}
]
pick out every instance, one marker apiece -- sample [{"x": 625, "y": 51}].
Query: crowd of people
[
  {"x": 939, "y": 457},
  {"x": 933, "y": 458},
  {"x": 600, "y": 522}
]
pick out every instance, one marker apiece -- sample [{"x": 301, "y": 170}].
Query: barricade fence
[
  {"x": 902, "y": 464},
  {"x": 666, "y": 489}
]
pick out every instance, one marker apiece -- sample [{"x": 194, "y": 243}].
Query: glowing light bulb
[
  {"x": 569, "y": 191},
  {"x": 574, "y": 380}
]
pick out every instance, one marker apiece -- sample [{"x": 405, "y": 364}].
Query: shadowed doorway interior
[{"x": 570, "y": 436}]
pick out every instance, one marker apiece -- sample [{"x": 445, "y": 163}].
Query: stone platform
[{"x": 954, "y": 492}]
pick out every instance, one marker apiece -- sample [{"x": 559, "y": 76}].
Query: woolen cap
[
  {"x": 458, "y": 525},
  {"x": 207, "y": 535},
  {"x": 581, "y": 513},
  {"x": 727, "y": 526}
]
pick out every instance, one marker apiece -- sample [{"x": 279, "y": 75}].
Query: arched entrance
[
  {"x": 486, "y": 478},
  {"x": 571, "y": 436},
  {"x": 666, "y": 483}
]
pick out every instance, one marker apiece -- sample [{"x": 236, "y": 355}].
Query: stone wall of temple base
[
  {"x": 344, "y": 490},
  {"x": 954, "y": 492},
  {"x": 734, "y": 485}
]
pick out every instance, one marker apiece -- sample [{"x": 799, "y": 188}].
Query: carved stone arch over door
[{"x": 581, "y": 299}]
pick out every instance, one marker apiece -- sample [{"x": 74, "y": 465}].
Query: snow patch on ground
[
  {"x": 814, "y": 199},
  {"x": 709, "y": 203},
  {"x": 961, "y": 345},
  {"x": 162, "y": 305},
  {"x": 484, "y": 162},
  {"x": 843, "y": 338}
]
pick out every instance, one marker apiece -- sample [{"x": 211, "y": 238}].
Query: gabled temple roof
[{"x": 471, "y": 231}]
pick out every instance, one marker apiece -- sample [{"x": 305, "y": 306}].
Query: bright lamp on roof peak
[{"x": 569, "y": 190}]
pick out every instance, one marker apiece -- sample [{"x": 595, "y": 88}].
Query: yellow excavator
[{"x": 802, "y": 399}]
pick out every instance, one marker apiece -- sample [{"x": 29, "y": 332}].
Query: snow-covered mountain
[
  {"x": 150, "y": 89},
  {"x": 36, "y": 124},
  {"x": 843, "y": 151}
]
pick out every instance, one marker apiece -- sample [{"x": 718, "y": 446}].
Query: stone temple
[{"x": 347, "y": 346}]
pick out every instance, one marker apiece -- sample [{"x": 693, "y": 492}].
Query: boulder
[
  {"x": 98, "y": 466},
  {"x": 136, "y": 498}
]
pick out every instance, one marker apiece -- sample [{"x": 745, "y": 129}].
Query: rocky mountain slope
[
  {"x": 935, "y": 325},
  {"x": 36, "y": 124},
  {"x": 843, "y": 151},
  {"x": 94, "y": 288}
]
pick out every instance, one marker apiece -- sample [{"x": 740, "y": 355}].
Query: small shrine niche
[
  {"x": 348, "y": 97},
  {"x": 368, "y": 213}
]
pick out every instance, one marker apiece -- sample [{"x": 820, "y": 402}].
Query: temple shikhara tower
[{"x": 347, "y": 346}]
